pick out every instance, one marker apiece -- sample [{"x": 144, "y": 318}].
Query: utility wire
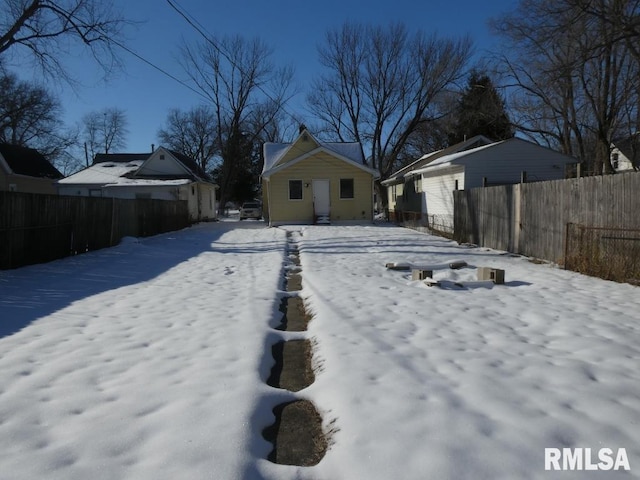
[
  {"x": 197, "y": 26},
  {"x": 164, "y": 72}
]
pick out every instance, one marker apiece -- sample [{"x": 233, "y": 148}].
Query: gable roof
[
  {"x": 462, "y": 157},
  {"x": 103, "y": 172},
  {"x": 275, "y": 153},
  {"x": 27, "y": 161},
  {"x": 191, "y": 165},
  {"x": 469, "y": 144},
  {"x": 126, "y": 169},
  {"x": 119, "y": 157},
  {"x": 628, "y": 146}
]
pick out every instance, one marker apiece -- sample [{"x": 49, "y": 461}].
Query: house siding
[
  {"x": 302, "y": 147},
  {"x": 320, "y": 166},
  {"x": 437, "y": 196},
  {"x": 504, "y": 164},
  {"x": 391, "y": 202},
  {"x": 199, "y": 197},
  {"x": 166, "y": 166},
  {"x": 26, "y": 184}
]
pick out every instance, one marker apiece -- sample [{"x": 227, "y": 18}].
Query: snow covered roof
[
  {"x": 348, "y": 151},
  {"x": 129, "y": 169},
  {"x": 450, "y": 159},
  {"x": 102, "y": 173},
  {"x": 272, "y": 153},
  {"x": 460, "y": 157},
  {"x": 138, "y": 182},
  {"x": 429, "y": 158}
]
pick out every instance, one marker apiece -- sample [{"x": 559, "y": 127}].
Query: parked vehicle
[{"x": 251, "y": 210}]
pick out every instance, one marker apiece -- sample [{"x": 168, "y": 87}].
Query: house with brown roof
[{"x": 26, "y": 170}]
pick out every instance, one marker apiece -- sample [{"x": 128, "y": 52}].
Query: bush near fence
[
  {"x": 38, "y": 228},
  {"x": 535, "y": 219},
  {"x": 609, "y": 253},
  {"x": 435, "y": 224}
]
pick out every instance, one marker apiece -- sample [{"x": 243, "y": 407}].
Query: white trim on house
[{"x": 278, "y": 168}]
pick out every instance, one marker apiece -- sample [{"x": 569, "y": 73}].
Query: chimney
[
  {"x": 153, "y": 148},
  {"x": 302, "y": 128}
]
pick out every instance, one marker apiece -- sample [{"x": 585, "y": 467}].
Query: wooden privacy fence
[
  {"x": 39, "y": 228},
  {"x": 532, "y": 218}
]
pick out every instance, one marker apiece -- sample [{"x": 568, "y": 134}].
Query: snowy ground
[{"x": 149, "y": 360}]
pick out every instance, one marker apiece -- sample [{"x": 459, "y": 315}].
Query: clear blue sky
[{"x": 292, "y": 28}]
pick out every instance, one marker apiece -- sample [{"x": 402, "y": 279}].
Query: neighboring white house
[
  {"x": 404, "y": 189},
  {"x": 501, "y": 163},
  {"x": 162, "y": 175},
  {"x": 625, "y": 153}
]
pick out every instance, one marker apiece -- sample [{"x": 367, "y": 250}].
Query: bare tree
[
  {"x": 43, "y": 29},
  {"x": 574, "y": 74},
  {"x": 30, "y": 116},
  {"x": 192, "y": 133},
  {"x": 247, "y": 93},
  {"x": 382, "y": 84},
  {"x": 105, "y": 131}
]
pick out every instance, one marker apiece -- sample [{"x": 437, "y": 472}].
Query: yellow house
[{"x": 309, "y": 181}]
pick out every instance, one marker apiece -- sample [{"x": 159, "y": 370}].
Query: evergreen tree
[{"x": 480, "y": 111}]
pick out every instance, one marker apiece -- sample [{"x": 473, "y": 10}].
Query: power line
[
  {"x": 197, "y": 26},
  {"x": 152, "y": 65}
]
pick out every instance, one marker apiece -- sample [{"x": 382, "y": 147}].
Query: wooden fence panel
[
  {"x": 39, "y": 228},
  {"x": 532, "y": 218}
]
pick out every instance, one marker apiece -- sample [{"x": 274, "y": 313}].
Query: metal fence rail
[{"x": 609, "y": 253}]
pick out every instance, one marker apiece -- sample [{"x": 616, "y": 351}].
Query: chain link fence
[
  {"x": 609, "y": 253},
  {"x": 437, "y": 224}
]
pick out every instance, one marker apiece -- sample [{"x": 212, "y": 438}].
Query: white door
[{"x": 321, "y": 197}]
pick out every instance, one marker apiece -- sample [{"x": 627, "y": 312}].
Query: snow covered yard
[{"x": 149, "y": 360}]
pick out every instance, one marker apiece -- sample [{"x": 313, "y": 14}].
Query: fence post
[
  {"x": 566, "y": 243},
  {"x": 113, "y": 214}
]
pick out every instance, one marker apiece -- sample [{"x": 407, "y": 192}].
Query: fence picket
[
  {"x": 543, "y": 211},
  {"x": 38, "y": 228}
]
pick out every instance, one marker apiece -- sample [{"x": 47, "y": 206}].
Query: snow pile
[{"x": 149, "y": 360}]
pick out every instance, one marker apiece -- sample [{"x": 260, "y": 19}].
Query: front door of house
[{"x": 321, "y": 197}]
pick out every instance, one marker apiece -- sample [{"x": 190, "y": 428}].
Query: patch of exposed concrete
[
  {"x": 296, "y": 435},
  {"x": 294, "y": 282},
  {"x": 292, "y": 370},
  {"x": 294, "y": 316}
]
